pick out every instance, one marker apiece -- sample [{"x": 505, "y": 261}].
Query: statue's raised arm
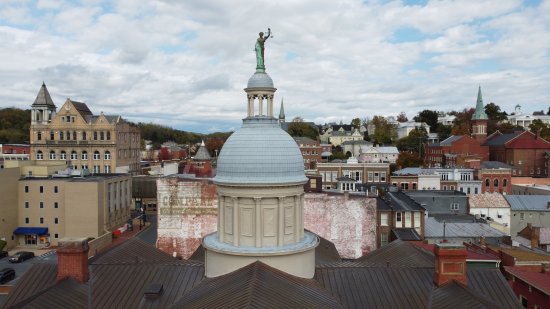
[{"x": 259, "y": 48}]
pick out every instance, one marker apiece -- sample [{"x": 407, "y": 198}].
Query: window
[
  {"x": 39, "y": 155},
  {"x": 27, "y": 220},
  {"x": 56, "y": 235},
  {"x": 108, "y": 136},
  {"x": 107, "y": 155},
  {"x": 504, "y": 182},
  {"x": 74, "y": 155},
  {"x": 96, "y": 155},
  {"x": 102, "y": 135},
  {"x": 405, "y": 186},
  {"x": 55, "y": 205},
  {"x": 414, "y": 185},
  {"x": 56, "y": 220},
  {"x": 455, "y": 206},
  {"x": 61, "y": 135},
  {"x": 52, "y": 155},
  {"x": 522, "y": 216},
  {"x": 96, "y": 169},
  {"x": 68, "y": 135},
  {"x": 39, "y": 136},
  {"x": 383, "y": 239},
  {"x": 26, "y": 189},
  {"x": 384, "y": 219},
  {"x": 84, "y": 155},
  {"x": 41, "y": 220},
  {"x": 487, "y": 182},
  {"x": 74, "y": 135},
  {"x": 83, "y": 135},
  {"x": 475, "y": 190},
  {"x": 398, "y": 217},
  {"x": 41, "y": 189},
  {"x": 95, "y": 135},
  {"x": 52, "y": 136},
  {"x": 107, "y": 169},
  {"x": 524, "y": 302},
  {"x": 55, "y": 189},
  {"x": 41, "y": 204},
  {"x": 468, "y": 190},
  {"x": 495, "y": 182},
  {"x": 63, "y": 155},
  {"x": 26, "y": 204}
]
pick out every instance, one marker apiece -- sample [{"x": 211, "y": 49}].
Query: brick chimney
[
  {"x": 450, "y": 263},
  {"x": 72, "y": 257}
]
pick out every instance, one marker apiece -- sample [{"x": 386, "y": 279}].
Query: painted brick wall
[{"x": 187, "y": 211}]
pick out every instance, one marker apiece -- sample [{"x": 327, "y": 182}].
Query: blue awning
[{"x": 31, "y": 230}]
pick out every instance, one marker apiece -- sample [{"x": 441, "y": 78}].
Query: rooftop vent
[{"x": 153, "y": 290}]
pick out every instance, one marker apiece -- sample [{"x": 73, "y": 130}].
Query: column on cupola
[
  {"x": 270, "y": 105},
  {"x": 261, "y": 105},
  {"x": 250, "y": 106}
]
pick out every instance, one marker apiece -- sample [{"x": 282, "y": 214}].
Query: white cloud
[{"x": 185, "y": 63}]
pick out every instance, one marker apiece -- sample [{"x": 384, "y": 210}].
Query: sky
[{"x": 184, "y": 64}]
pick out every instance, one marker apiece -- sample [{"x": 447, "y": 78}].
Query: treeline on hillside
[
  {"x": 159, "y": 134},
  {"x": 14, "y": 125}
]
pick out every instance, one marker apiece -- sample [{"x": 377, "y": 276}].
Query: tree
[
  {"x": 495, "y": 116},
  {"x": 413, "y": 142},
  {"x": 164, "y": 154},
  {"x": 303, "y": 129},
  {"x": 402, "y": 117},
  {"x": 429, "y": 117},
  {"x": 537, "y": 126},
  {"x": 384, "y": 132},
  {"x": 214, "y": 145},
  {"x": 409, "y": 159},
  {"x": 443, "y": 131},
  {"x": 356, "y": 122},
  {"x": 462, "y": 122}
]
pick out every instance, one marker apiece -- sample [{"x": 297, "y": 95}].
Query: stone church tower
[{"x": 260, "y": 182}]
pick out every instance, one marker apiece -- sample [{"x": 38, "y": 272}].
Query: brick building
[
  {"x": 455, "y": 151},
  {"x": 375, "y": 173},
  {"x": 311, "y": 151},
  {"x": 495, "y": 177}
]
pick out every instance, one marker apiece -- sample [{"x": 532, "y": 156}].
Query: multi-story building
[
  {"x": 53, "y": 201},
  {"x": 379, "y": 154},
  {"x": 354, "y": 147},
  {"x": 495, "y": 177},
  {"x": 311, "y": 151},
  {"x": 399, "y": 217},
  {"x": 370, "y": 173},
  {"x": 454, "y": 151},
  {"x": 103, "y": 144},
  {"x": 531, "y": 189},
  {"x": 414, "y": 178},
  {"x": 523, "y": 150},
  {"x": 518, "y": 118},
  {"x": 527, "y": 209}
]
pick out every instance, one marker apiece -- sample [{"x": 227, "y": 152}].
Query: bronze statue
[{"x": 259, "y": 48}]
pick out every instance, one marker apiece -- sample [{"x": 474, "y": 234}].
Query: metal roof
[
  {"x": 258, "y": 286},
  {"x": 502, "y": 139},
  {"x": 528, "y": 202},
  {"x": 43, "y": 98},
  {"x": 449, "y": 140},
  {"x": 260, "y": 152},
  {"x": 494, "y": 165},
  {"x": 260, "y": 80},
  {"x": 202, "y": 154},
  {"x": 399, "y": 253},
  {"x": 406, "y": 234},
  {"x": 456, "y": 295},
  {"x": 433, "y": 228},
  {"x": 400, "y": 201}
]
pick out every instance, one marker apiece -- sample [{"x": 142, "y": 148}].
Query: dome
[
  {"x": 260, "y": 80},
  {"x": 260, "y": 152}
]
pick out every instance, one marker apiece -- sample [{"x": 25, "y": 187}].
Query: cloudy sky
[{"x": 185, "y": 63}]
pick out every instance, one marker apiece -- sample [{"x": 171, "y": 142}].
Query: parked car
[
  {"x": 6, "y": 275},
  {"x": 21, "y": 256},
  {"x": 3, "y": 254}
]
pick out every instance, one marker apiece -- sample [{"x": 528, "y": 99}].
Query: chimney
[
  {"x": 450, "y": 263},
  {"x": 72, "y": 257}
]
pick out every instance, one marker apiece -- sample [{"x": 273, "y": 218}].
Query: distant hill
[{"x": 15, "y": 125}]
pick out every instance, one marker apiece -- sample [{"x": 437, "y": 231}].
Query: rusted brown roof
[
  {"x": 39, "y": 278},
  {"x": 326, "y": 252},
  {"x": 399, "y": 253},
  {"x": 522, "y": 254},
  {"x": 491, "y": 284},
  {"x": 258, "y": 286},
  {"x": 456, "y": 295},
  {"x": 134, "y": 251},
  {"x": 65, "y": 294}
]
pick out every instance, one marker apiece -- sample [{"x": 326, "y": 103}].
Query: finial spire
[
  {"x": 282, "y": 111},
  {"x": 480, "y": 108}
]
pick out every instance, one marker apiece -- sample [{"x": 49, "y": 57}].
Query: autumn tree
[
  {"x": 462, "y": 123},
  {"x": 409, "y": 159},
  {"x": 402, "y": 117},
  {"x": 214, "y": 145},
  {"x": 303, "y": 129},
  {"x": 384, "y": 132},
  {"x": 413, "y": 142},
  {"x": 164, "y": 154}
]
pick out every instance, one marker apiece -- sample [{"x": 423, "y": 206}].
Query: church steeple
[
  {"x": 282, "y": 112},
  {"x": 479, "y": 120}
]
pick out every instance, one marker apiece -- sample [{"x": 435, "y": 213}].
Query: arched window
[
  {"x": 68, "y": 135},
  {"x": 102, "y": 135},
  {"x": 487, "y": 182},
  {"x": 495, "y": 182},
  {"x": 84, "y": 155},
  {"x": 96, "y": 155},
  {"x": 107, "y": 155},
  {"x": 83, "y": 136},
  {"x": 39, "y": 155},
  {"x": 74, "y": 135},
  {"x": 108, "y": 135},
  {"x": 63, "y": 155},
  {"x": 74, "y": 155},
  {"x": 95, "y": 135},
  {"x": 52, "y": 155},
  {"x": 61, "y": 135},
  {"x": 504, "y": 182}
]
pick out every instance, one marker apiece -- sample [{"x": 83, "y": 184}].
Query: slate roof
[
  {"x": 434, "y": 229},
  {"x": 399, "y": 201},
  {"x": 406, "y": 234},
  {"x": 43, "y": 98},
  {"x": 258, "y": 286},
  {"x": 304, "y": 140},
  {"x": 82, "y": 108},
  {"x": 202, "y": 154},
  {"x": 450, "y": 140},
  {"x": 502, "y": 139},
  {"x": 528, "y": 202},
  {"x": 494, "y": 165}
]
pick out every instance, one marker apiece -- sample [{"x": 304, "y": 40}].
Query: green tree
[
  {"x": 443, "y": 131},
  {"x": 413, "y": 142},
  {"x": 303, "y": 129},
  {"x": 356, "y": 122},
  {"x": 462, "y": 122},
  {"x": 384, "y": 132},
  {"x": 496, "y": 117},
  {"x": 537, "y": 126},
  {"x": 429, "y": 117},
  {"x": 14, "y": 125}
]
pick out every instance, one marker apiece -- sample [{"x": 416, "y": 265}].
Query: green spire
[
  {"x": 480, "y": 108},
  {"x": 282, "y": 112}
]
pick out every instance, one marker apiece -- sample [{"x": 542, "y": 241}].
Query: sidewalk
[{"x": 126, "y": 235}]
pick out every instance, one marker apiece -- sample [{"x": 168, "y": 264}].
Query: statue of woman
[{"x": 259, "y": 48}]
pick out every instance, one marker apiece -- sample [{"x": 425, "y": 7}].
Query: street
[{"x": 150, "y": 234}]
